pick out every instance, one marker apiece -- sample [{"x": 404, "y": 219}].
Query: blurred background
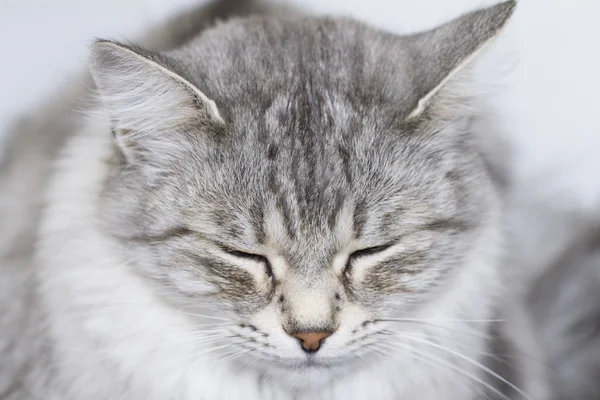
[{"x": 549, "y": 105}]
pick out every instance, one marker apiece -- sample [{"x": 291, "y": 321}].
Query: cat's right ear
[
  {"x": 443, "y": 53},
  {"x": 144, "y": 95}
]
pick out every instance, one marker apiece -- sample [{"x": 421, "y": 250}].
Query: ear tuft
[{"x": 142, "y": 93}]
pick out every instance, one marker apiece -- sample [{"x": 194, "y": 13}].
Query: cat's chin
[
  {"x": 309, "y": 371},
  {"x": 307, "y": 375}
]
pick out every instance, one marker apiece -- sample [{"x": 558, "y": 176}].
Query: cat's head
[{"x": 296, "y": 182}]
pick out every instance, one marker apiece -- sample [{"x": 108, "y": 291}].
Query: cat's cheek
[
  {"x": 190, "y": 284},
  {"x": 376, "y": 288},
  {"x": 351, "y": 319},
  {"x": 384, "y": 281},
  {"x": 238, "y": 290}
]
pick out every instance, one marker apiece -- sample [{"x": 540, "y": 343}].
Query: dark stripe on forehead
[
  {"x": 257, "y": 218},
  {"x": 272, "y": 182},
  {"x": 286, "y": 214},
  {"x": 338, "y": 204},
  {"x": 359, "y": 218},
  {"x": 345, "y": 157}
]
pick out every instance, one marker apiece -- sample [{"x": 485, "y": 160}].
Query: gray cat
[{"x": 277, "y": 206}]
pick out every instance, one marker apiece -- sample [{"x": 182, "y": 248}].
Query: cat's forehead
[
  {"x": 244, "y": 63},
  {"x": 313, "y": 110},
  {"x": 315, "y": 181}
]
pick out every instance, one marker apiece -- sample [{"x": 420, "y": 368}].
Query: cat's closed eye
[
  {"x": 252, "y": 257},
  {"x": 366, "y": 252}
]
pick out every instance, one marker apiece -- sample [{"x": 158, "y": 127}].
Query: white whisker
[
  {"x": 476, "y": 335},
  {"x": 439, "y": 320},
  {"x": 235, "y": 355},
  {"x": 447, "y": 364},
  {"x": 469, "y": 360},
  {"x": 172, "y": 310}
]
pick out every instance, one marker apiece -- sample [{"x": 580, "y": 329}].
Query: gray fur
[
  {"x": 304, "y": 144},
  {"x": 323, "y": 131},
  {"x": 565, "y": 305}
]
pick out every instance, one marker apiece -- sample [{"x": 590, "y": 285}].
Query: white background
[{"x": 551, "y": 105}]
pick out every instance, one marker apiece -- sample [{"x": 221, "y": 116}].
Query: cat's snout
[{"x": 311, "y": 341}]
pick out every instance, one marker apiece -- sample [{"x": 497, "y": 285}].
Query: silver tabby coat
[{"x": 277, "y": 206}]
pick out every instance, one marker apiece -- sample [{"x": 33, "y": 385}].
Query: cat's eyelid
[
  {"x": 183, "y": 231},
  {"x": 369, "y": 251},
  {"x": 250, "y": 256},
  {"x": 243, "y": 254}
]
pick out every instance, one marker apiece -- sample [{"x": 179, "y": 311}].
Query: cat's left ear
[
  {"x": 143, "y": 93},
  {"x": 443, "y": 52}
]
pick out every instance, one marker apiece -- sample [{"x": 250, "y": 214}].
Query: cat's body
[
  {"x": 564, "y": 303},
  {"x": 90, "y": 317}
]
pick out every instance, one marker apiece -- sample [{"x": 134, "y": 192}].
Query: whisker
[
  {"x": 479, "y": 336},
  {"x": 173, "y": 310},
  {"x": 247, "y": 367},
  {"x": 440, "y": 320},
  {"x": 470, "y": 360},
  {"x": 458, "y": 344},
  {"x": 206, "y": 333},
  {"x": 443, "y": 362},
  {"x": 235, "y": 355}
]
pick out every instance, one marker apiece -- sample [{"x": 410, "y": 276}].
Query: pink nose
[{"x": 311, "y": 341}]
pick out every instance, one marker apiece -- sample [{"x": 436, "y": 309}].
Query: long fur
[{"x": 185, "y": 269}]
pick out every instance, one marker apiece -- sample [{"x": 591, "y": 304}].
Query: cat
[{"x": 263, "y": 204}]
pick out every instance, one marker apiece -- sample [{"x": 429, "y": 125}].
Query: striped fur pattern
[{"x": 269, "y": 175}]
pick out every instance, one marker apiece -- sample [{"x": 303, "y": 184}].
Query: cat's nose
[{"x": 311, "y": 341}]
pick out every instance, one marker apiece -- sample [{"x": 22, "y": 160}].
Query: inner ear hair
[
  {"x": 442, "y": 53},
  {"x": 141, "y": 90}
]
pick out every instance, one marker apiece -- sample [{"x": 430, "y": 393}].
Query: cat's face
[
  {"x": 277, "y": 238},
  {"x": 300, "y": 213}
]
